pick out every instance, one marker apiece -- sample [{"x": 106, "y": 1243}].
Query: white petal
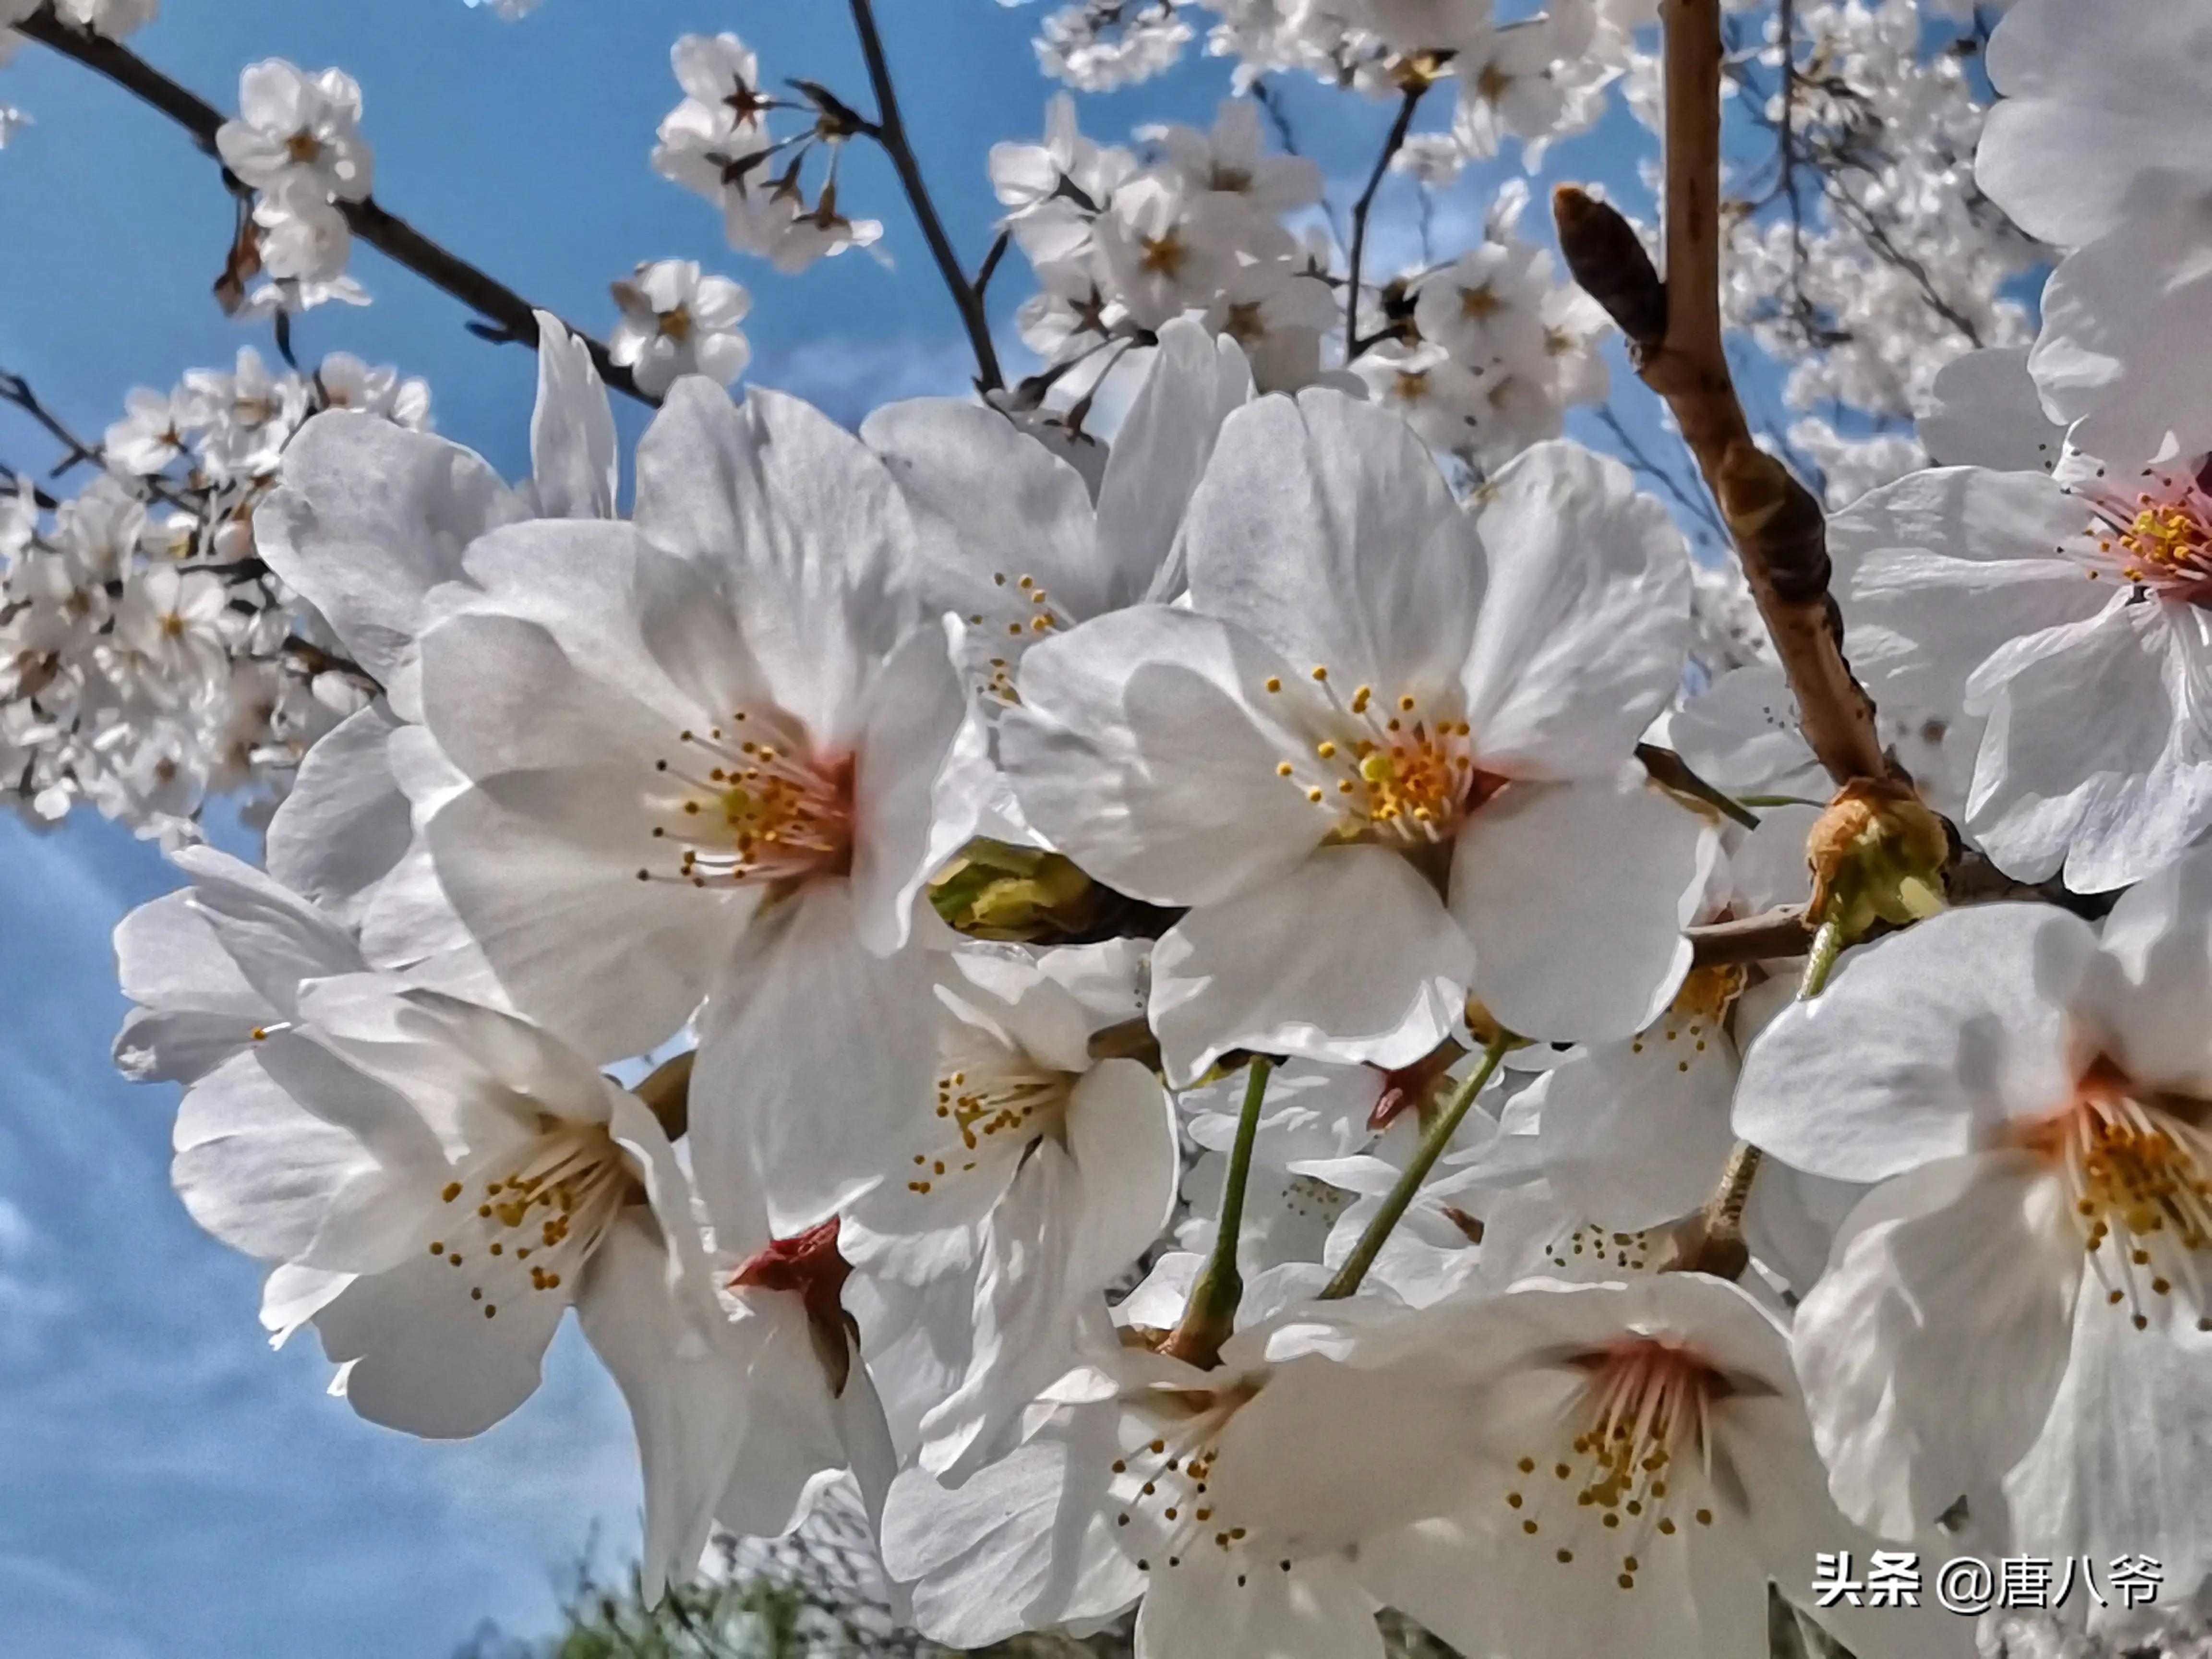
[
  {"x": 1937, "y": 570},
  {"x": 1008, "y": 1551},
  {"x": 2161, "y": 935},
  {"x": 913, "y": 710},
  {"x": 2124, "y": 1461},
  {"x": 1922, "y": 1042},
  {"x": 815, "y": 1052},
  {"x": 370, "y": 518},
  {"x": 1576, "y": 895},
  {"x": 993, "y": 506},
  {"x": 1930, "y": 1350},
  {"x": 1635, "y": 1134},
  {"x": 1348, "y": 957},
  {"x": 543, "y": 867},
  {"x": 1161, "y": 451},
  {"x": 1586, "y": 626},
  {"x": 1144, "y": 751},
  {"x": 426, "y": 1359},
  {"x": 1323, "y": 527},
  {"x": 801, "y": 524},
  {"x": 1120, "y": 1133},
  {"x": 574, "y": 464},
  {"x": 346, "y": 822},
  {"x": 255, "y": 1168},
  {"x": 689, "y": 1404},
  {"x": 1315, "y": 1611},
  {"x": 198, "y": 1008},
  {"x": 2094, "y": 755}
]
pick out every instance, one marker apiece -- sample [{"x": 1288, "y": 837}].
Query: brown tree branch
[
  {"x": 889, "y": 129},
  {"x": 513, "y": 315},
  {"x": 1395, "y": 141},
  {"x": 1778, "y": 529},
  {"x": 1783, "y": 932}
]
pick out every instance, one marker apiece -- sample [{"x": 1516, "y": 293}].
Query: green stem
[
  {"x": 1821, "y": 961},
  {"x": 1431, "y": 1148},
  {"x": 1210, "y": 1315},
  {"x": 1721, "y": 1249}
]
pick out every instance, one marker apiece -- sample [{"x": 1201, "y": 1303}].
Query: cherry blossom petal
[
  {"x": 801, "y": 526},
  {"x": 1349, "y": 958},
  {"x": 1143, "y": 752},
  {"x": 1323, "y": 527},
  {"x": 1587, "y": 621},
  {"x": 1575, "y": 896},
  {"x": 1924, "y": 1043},
  {"x": 1932, "y": 1348},
  {"x": 2094, "y": 762}
]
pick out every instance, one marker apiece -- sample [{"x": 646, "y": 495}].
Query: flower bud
[
  {"x": 1877, "y": 855},
  {"x": 995, "y": 890}
]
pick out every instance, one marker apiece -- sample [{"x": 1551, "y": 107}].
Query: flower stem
[
  {"x": 1210, "y": 1316},
  {"x": 1718, "y": 1246},
  {"x": 1821, "y": 961},
  {"x": 1424, "y": 1159}
]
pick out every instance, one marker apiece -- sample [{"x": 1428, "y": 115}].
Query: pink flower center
[
  {"x": 537, "y": 1215},
  {"x": 2139, "y": 1177},
  {"x": 1399, "y": 769},
  {"x": 753, "y": 802},
  {"x": 1630, "y": 1473},
  {"x": 2159, "y": 538}
]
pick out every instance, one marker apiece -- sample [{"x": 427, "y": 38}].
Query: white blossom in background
[
  {"x": 717, "y": 142},
  {"x": 152, "y": 661},
  {"x": 674, "y": 321},
  {"x": 113, "y": 18},
  {"x": 297, "y": 142}
]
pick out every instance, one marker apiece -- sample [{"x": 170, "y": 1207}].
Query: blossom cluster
[
  {"x": 1270, "y": 1013},
  {"x": 297, "y": 144},
  {"x": 150, "y": 659},
  {"x": 1168, "y": 1056}
]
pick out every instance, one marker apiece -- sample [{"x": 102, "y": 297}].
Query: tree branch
[
  {"x": 1778, "y": 529},
  {"x": 1391, "y": 145},
  {"x": 380, "y": 230},
  {"x": 889, "y": 129},
  {"x": 1783, "y": 931}
]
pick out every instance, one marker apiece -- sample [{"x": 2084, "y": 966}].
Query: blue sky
[{"x": 169, "y": 1488}]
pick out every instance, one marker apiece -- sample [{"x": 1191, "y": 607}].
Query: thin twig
[
  {"x": 14, "y": 389},
  {"x": 889, "y": 130},
  {"x": 13, "y": 481},
  {"x": 1776, "y": 526},
  {"x": 1271, "y": 103},
  {"x": 1391, "y": 145},
  {"x": 989, "y": 268},
  {"x": 385, "y": 231}
]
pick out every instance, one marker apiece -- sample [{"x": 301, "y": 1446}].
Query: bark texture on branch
[
  {"x": 513, "y": 315},
  {"x": 1673, "y": 328}
]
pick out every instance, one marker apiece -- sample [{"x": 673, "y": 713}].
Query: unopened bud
[
  {"x": 1877, "y": 855},
  {"x": 995, "y": 890}
]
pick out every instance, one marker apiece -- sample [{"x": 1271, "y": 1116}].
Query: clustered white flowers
[
  {"x": 297, "y": 145},
  {"x": 149, "y": 658},
  {"x": 1269, "y": 1013}
]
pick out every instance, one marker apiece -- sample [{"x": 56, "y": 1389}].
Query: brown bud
[{"x": 1606, "y": 257}]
